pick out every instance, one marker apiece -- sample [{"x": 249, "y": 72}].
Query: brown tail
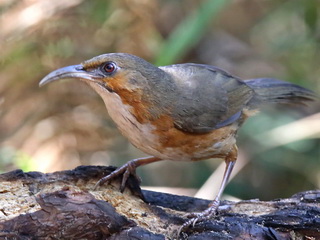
[{"x": 268, "y": 90}]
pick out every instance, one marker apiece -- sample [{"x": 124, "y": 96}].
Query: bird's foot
[
  {"x": 199, "y": 217},
  {"x": 126, "y": 170}
]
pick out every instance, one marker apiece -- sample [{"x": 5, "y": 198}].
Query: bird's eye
[{"x": 109, "y": 67}]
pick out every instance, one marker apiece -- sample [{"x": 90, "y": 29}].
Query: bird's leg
[
  {"x": 126, "y": 170},
  {"x": 212, "y": 209}
]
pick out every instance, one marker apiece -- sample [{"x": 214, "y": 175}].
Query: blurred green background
[{"x": 65, "y": 124}]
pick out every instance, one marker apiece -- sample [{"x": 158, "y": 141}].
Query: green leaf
[
  {"x": 189, "y": 32},
  {"x": 311, "y": 14}
]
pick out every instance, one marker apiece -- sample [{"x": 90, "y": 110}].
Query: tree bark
[{"x": 64, "y": 205}]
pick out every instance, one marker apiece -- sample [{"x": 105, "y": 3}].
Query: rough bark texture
[{"x": 63, "y": 205}]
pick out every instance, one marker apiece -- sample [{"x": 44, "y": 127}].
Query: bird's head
[
  {"x": 137, "y": 82},
  {"x": 115, "y": 72}
]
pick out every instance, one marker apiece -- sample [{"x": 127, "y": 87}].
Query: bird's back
[{"x": 209, "y": 98}]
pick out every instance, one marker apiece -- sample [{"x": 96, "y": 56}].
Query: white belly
[{"x": 140, "y": 135}]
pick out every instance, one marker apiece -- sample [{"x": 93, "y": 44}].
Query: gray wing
[{"x": 208, "y": 97}]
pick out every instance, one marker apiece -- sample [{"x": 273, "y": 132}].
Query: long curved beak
[{"x": 74, "y": 71}]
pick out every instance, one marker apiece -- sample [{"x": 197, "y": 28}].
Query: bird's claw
[
  {"x": 126, "y": 170},
  {"x": 199, "y": 217}
]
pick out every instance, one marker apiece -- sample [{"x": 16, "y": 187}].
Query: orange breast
[{"x": 129, "y": 96}]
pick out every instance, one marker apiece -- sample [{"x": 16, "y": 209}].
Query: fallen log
[{"x": 64, "y": 205}]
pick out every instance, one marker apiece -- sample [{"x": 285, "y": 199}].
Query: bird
[{"x": 180, "y": 112}]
